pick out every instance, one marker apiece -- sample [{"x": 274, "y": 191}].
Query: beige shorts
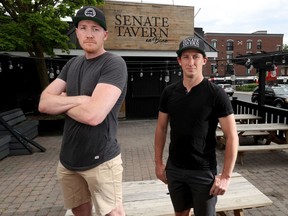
[{"x": 102, "y": 185}]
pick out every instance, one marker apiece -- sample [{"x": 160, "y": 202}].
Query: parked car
[
  {"x": 274, "y": 95},
  {"x": 227, "y": 88}
]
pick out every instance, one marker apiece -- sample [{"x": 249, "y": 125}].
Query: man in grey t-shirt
[{"x": 89, "y": 90}]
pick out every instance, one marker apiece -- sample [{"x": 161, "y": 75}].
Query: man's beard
[{"x": 90, "y": 48}]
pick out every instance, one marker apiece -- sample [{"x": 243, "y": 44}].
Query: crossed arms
[{"x": 90, "y": 110}]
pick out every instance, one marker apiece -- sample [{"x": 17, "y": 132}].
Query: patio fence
[{"x": 269, "y": 114}]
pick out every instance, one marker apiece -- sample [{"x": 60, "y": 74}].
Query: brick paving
[{"x": 28, "y": 184}]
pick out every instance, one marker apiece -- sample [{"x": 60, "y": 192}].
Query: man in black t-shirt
[{"x": 193, "y": 107}]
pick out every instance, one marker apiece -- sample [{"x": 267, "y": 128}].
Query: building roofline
[
  {"x": 123, "y": 53},
  {"x": 242, "y": 34},
  {"x": 208, "y": 47}
]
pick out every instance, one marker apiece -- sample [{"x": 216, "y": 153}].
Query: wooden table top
[
  {"x": 246, "y": 117},
  {"x": 262, "y": 127}
]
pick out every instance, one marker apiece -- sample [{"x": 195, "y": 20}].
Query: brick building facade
[{"x": 231, "y": 45}]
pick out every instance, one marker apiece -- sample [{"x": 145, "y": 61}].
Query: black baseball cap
[
  {"x": 192, "y": 43},
  {"x": 90, "y": 13}
]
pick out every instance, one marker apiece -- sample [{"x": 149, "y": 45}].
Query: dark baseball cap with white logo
[
  {"x": 191, "y": 43},
  {"x": 90, "y": 13}
]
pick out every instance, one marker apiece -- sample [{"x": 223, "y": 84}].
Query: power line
[{"x": 197, "y": 12}]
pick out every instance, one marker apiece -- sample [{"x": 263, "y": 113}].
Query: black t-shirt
[{"x": 193, "y": 121}]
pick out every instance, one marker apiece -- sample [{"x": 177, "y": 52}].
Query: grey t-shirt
[{"x": 85, "y": 146}]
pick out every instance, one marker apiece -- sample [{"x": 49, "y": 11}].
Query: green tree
[
  {"x": 285, "y": 46},
  {"x": 36, "y": 26}
]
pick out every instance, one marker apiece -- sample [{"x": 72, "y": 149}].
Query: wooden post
[{"x": 261, "y": 98}]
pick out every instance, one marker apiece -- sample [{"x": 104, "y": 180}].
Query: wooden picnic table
[
  {"x": 246, "y": 118},
  {"x": 271, "y": 128},
  {"x": 261, "y": 129},
  {"x": 151, "y": 198}
]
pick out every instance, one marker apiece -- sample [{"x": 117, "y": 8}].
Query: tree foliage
[{"x": 36, "y": 26}]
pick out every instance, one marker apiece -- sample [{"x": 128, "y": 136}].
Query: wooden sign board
[{"x": 134, "y": 26}]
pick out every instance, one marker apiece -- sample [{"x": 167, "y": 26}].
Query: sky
[{"x": 245, "y": 16}]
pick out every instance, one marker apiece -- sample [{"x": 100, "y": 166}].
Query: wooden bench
[
  {"x": 254, "y": 148},
  {"x": 151, "y": 198},
  {"x": 4, "y": 146},
  {"x": 15, "y": 123}
]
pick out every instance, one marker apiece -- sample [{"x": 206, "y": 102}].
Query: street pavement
[{"x": 28, "y": 184}]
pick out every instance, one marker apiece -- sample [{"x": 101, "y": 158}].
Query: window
[
  {"x": 230, "y": 69},
  {"x": 259, "y": 44},
  {"x": 229, "y": 58},
  {"x": 248, "y": 71},
  {"x": 249, "y": 44},
  {"x": 214, "y": 43},
  {"x": 229, "y": 46},
  {"x": 214, "y": 68},
  {"x": 279, "y": 47}
]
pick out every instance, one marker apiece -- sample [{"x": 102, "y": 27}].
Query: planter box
[{"x": 4, "y": 146}]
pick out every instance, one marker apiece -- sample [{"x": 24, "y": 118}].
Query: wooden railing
[{"x": 269, "y": 114}]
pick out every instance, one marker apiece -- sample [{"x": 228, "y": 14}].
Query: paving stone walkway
[{"x": 28, "y": 185}]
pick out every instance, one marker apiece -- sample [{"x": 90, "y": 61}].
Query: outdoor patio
[{"x": 28, "y": 184}]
